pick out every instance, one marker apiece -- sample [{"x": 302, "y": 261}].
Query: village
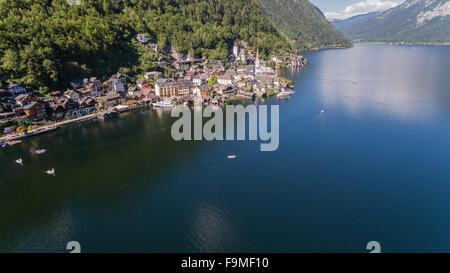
[{"x": 196, "y": 81}]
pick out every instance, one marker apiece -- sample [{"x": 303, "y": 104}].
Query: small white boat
[
  {"x": 285, "y": 93},
  {"x": 232, "y": 157},
  {"x": 51, "y": 172},
  {"x": 4, "y": 144},
  {"x": 323, "y": 111},
  {"x": 164, "y": 104},
  {"x": 19, "y": 161}
]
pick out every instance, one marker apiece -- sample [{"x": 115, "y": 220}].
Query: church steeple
[{"x": 257, "y": 63}]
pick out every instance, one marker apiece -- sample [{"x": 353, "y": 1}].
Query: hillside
[
  {"x": 414, "y": 21},
  {"x": 303, "y": 24},
  {"x": 345, "y": 23},
  {"x": 47, "y": 43}
]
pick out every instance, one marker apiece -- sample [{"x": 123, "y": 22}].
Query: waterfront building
[
  {"x": 174, "y": 88},
  {"x": 16, "y": 89},
  {"x": 35, "y": 110}
]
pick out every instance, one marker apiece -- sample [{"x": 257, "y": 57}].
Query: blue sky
[{"x": 342, "y": 9}]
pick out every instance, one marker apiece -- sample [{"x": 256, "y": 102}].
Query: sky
[{"x": 343, "y": 9}]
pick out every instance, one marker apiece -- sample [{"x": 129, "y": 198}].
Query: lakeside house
[
  {"x": 198, "y": 80},
  {"x": 117, "y": 85},
  {"x": 24, "y": 99},
  {"x": 203, "y": 91},
  {"x": 111, "y": 99},
  {"x": 153, "y": 75},
  {"x": 57, "y": 111},
  {"x": 35, "y": 110},
  {"x": 87, "y": 105},
  {"x": 135, "y": 94},
  {"x": 70, "y": 106},
  {"x": 118, "y": 76},
  {"x": 225, "y": 79},
  {"x": 16, "y": 89},
  {"x": 174, "y": 88},
  {"x": 72, "y": 94},
  {"x": 146, "y": 89},
  {"x": 225, "y": 89},
  {"x": 247, "y": 94}
]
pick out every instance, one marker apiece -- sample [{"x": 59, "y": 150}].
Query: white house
[
  {"x": 277, "y": 59},
  {"x": 225, "y": 80},
  {"x": 118, "y": 86},
  {"x": 197, "y": 92},
  {"x": 198, "y": 81}
]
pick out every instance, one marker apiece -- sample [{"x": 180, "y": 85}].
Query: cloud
[{"x": 362, "y": 8}]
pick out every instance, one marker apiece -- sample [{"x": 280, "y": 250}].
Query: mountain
[
  {"x": 345, "y": 23},
  {"x": 414, "y": 21},
  {"x": 48, "y": 43},
  {"x": 303, "y": 24},
  {"x": 45, "y": 44}
]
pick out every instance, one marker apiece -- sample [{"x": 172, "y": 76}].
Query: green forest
[
  {"x": 304, "y": 24},
  {"x": 46, "y": 43}
]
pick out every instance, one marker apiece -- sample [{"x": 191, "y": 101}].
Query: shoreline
[
  {"x": 403, "y": 43},
  {"x": 50, "y": 128}
]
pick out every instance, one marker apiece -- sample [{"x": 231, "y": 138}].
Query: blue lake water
[{"x": 375, "y": 166}]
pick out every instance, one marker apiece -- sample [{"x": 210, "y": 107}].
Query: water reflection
[
  {"x": 213, "y": 229},
  {"x": 403, "y": 82}
]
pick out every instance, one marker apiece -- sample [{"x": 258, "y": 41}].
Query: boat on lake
[
  {"x": 285, "y": 94},
  {"x": 4, "y": 144},
  {"x": 232, "y": 157},
  {"x": 19, "y": 161},
  {"x": 164, "y": 104},
  {"x": 51, "y": 172},
  {"x": 41, "y": 151}
]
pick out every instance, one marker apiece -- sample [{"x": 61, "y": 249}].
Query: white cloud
[{"x": 362, "y": 8}]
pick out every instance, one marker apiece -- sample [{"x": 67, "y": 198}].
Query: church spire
[{"x": 257, "y": 63}]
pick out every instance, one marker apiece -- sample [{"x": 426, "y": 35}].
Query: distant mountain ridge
[
  {"x": 413, "y": 21},
  {"x": 303, "y": 24},
  {"x": 344, "y": 23}
]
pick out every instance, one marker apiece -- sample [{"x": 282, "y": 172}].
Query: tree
[{"x": 212, "y": 80}]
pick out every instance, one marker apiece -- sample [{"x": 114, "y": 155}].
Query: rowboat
[{"x": 19, "y": 161}]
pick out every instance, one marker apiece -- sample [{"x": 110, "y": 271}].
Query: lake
[{"x": 375, "y": 166}]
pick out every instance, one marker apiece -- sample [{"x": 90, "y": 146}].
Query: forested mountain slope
[
  {"x": 303, "y": 24},
  {"x": 47, "y": 43}
]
